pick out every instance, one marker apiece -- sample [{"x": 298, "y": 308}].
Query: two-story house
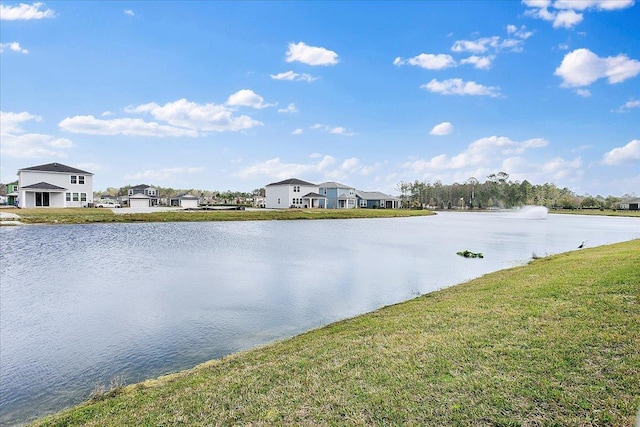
[
  {"x": 339, "y": 196},
  {"x": 54, "y": 185},
  {"x": 293, "y": 193},
  {"x": 143, "y": 196},
  {"x": 12, "y": 193}
]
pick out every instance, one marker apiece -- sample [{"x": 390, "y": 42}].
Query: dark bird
[{"x": 582, "y": 244}]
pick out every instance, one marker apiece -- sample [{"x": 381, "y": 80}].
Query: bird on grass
[{"x": 582, "y": 244}]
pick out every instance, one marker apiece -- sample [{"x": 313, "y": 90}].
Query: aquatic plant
[{"x": 469, "y": 254}]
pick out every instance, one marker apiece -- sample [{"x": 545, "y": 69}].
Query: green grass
[
  {"x": 552, "y": 343},
  {"x": 87, "y": 215},
  {"x": 606, "y": 212}
]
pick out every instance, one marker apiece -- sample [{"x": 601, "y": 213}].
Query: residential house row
[
  {"x": 296, "y": 193},
  {"x": 59, "y": 185}
]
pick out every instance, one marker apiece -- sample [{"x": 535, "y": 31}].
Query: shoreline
[
  {"x": 53, "y": 216},
  {"x": 521, "y": 368}
]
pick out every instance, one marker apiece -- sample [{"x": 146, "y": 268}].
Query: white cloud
[
  {"x": 163, "y": 175},
  {"x": 479, "y": 62},
  {"x": 428, "y": 61},
  {"x": 276, "y": 169},
  {"x": 519, "y": 32},
  {"x": 196, "y": 117},
  {"x": 585, "y": 93},
  {"x": 297, "y": 132},
  {"x": 460, "y": 87},
  {"x": 567, "y": 19},
  {"x": 444, "y": 128},
  {"x": 291, "y": 76},
  {"x": 89, "y": 125},
  {"x": 247, "y": 98},
  {"x": 336, "y": 130},
  {"x": 583, "y": 67},
  {"x": 593, "y": 4},
  {"x": 129, "y": 12},
  {"x": 24, "y": 12},
  {"x": 13, "y": 46},
  {"x": 628, "y": 153},
  {"x": 311, "y": 55},
  {"x": 563, "y": 13},
  {"x": 485, "y": 44},
  {"x": 16, "y": 142},
  {"x": 291, "y": 108},
  {"x": 11, "y": 122},
  {"x": 484, "y": 151},
  {"x": 626, "y": 107}
]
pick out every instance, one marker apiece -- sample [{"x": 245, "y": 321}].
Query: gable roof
[
  {"x": 314, "y": 195},
  {"x": 142, "y": 187},
  {"x": 374, "y": 195},
  {"x": 333, "y": 184},
  {"x": 292, "y": 181},
  {"x": 55, "y": 167},
  {"x": 42, "y": 186}
]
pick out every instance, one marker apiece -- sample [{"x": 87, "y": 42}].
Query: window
[
  {"x": 74, "y": 179},
  {"x": 80, "y": 179},
  {"x": 75, "y": 197},
  {"x": 83, "y": 197},
  {"x": 68, "y": 197},
  {"x": 363, "y": 203}
]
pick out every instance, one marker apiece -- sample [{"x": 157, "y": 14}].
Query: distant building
[
  {"x": 630, "y": 205},
  {"x": 376, "y": 199},
  {"x": 143, "y": 196},
  {"x": 339, "y": 196},
  {"x": 12, "y": 193},
  {"x": 54, "y": 185},
  {"x": 293, "y": 193}
]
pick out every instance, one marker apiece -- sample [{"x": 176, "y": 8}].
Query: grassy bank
[
  {"x": 605, "y": 212},
  {"x": 551, "y": 343},
  {"x": 87, "y": 215}
]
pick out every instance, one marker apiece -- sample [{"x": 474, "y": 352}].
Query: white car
[{"x": 108, "y": 205}]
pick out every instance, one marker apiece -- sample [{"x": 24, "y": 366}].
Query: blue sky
[{"x": 236, "y": 95}]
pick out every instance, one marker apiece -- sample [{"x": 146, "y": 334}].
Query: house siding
[{"x": 282, "y": 196}]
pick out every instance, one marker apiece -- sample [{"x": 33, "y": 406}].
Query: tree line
[{"x": 498, "y": 192}]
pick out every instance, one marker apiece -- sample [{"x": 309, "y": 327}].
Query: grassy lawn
[
  {"x": 552, "y": 343},
  {"x": 87, "y": 215},
  {"x": 607, "y": 212}
]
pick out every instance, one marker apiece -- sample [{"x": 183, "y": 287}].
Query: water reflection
[{"x": 82, "y": 304}]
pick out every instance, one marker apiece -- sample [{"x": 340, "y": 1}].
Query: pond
[{"x": 81, "y": 305}]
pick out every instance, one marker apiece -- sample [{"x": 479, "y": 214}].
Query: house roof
[
  {"x": 55, "y": 167},
  {"x": 374, "y": 195},
  {"x": 292, "y": 181},
  {"x": 188, "y": 197},
  {"x": 312, "y": 194},
  {"x": 140, "y": 196},
  {"x": 345, "y": 197},
  {"x": 333, "y": 184},
  {"x": 42, "y": 186},
  {"x": 142, "y": 187},
  {"x": 631, "y": 201}
]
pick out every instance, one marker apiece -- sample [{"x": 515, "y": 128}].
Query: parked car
[{"x": 108, "y": 205}]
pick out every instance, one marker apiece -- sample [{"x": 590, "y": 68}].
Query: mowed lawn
[
  {"x": 552, "y": 343},
  {"x": 99, "y": 215}
]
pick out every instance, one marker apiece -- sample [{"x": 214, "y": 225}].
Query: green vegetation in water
[
  {"x": 554, "y": 342},
  {"x": 469, "y": 254}
]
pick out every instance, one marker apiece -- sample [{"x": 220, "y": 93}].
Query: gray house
[
  {"x": 376, "y": 199},
  {"x": 630, "y": 205}
]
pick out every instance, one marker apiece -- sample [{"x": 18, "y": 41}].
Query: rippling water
[{"x": 83, "y": 304}]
